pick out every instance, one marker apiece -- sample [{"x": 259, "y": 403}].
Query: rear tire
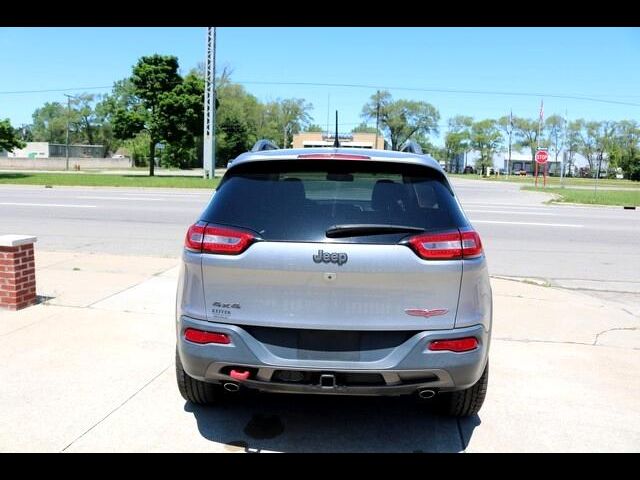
[
  {"x": 465, "y": 403},
  {"x": 195, "y": 391}
]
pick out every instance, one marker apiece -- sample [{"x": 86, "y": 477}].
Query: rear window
[{"x": 300, "y": 200}]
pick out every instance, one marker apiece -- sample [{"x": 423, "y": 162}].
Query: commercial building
[
  {"x": 521, "y": 162},
  {"x": 347, "y": 140}
]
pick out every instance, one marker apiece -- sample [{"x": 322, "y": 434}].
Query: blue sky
[{"x": 603, "y": 63}]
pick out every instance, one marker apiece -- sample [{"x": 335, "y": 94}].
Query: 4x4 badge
[{"x": 327, "y": 257}]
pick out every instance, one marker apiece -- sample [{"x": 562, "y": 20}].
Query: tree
[
  {"x": 588, "y": 143},
  {"x": 457, "y": 140},
  {"x": 401, "y": 119},
  {"x": 238, "y": 122},
  {"x": 153, "y": 79},
  {"x": 556, "y": 126},
  {"x": 364, "y": 128},
  {"x": 293, "y": 115},
  {"x": 604, "y": 143},
  {"x": 112, "y": 134},
  {"x": 180, "y": 116},
  {"x": 626, "y": 154},
  {"x": 527, "y": 132},
  {"x": 573, "y": 142},
  {"x": 50, "y": 123},
  {"x": 9, "y": 137},
  {"x": 486, "y": 138},
  {"x": 137, "y": 147},
  {"x": 313, "y": 127},
  {"x": 25, "y": 132}
]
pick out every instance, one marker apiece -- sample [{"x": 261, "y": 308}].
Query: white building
[{"x": 32, "y": 150}]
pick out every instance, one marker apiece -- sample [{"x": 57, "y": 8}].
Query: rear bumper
[{"x": 406, "y": 368}]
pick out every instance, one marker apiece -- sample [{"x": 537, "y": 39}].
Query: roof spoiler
[
  {"x": 411, "y": 147},
  {"x": 264, "y": 144}
]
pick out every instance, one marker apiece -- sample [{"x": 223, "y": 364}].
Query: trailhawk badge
[
  {"x": 326, "y": 257},
  {"x": 425, "y": 312}
]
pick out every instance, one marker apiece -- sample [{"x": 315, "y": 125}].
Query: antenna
[{"x": 336, "y": 142}]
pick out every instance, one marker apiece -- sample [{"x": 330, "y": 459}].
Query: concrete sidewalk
[{"x": 91, "y": 369}]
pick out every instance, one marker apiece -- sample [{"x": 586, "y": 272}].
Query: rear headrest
[
  {"x": 294, "y": 188},
  {"x": 289, "y": 193},
  {"x": 388, "y": 196}
]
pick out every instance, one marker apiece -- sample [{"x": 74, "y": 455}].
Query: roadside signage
[{"x": 542, "y": 156}]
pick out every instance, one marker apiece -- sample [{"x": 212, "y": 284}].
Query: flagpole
[
  {"x": 544, "y": 166},
  {"x": 540, "y": 121}
]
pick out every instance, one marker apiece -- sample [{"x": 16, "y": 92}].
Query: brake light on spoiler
[{"x": 333, "y": 156}]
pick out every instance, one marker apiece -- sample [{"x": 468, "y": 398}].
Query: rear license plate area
[{"x": 329, "y": 345}]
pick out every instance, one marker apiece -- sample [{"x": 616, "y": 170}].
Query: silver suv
[{"x": 334, "y": 271}]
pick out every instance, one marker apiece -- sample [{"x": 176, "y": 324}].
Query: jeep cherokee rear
[{"x": 336, "y": 271}]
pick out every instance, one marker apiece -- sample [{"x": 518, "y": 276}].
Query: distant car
[
  {"x": 468, "y": 169},
  {"x": 118, "y": 156},
  {"x": 334, "y": 272}
]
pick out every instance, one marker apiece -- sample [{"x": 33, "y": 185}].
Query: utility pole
[
  {"x": 69, "y": 97},
  {"x": 564, "y": 148},
  {"x": 328, "y": 104},
  {"x": 375, "y": 145},
  {"x": 510, "y": 130},
  {"x": 209, "y": 147}
]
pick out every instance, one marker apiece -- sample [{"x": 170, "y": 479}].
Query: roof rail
[
  {"x": 264, "y": 144},
  {"x": 411, "y": 147}
]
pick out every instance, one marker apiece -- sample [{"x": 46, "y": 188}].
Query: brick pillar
[{"x": 17, "y": 272}]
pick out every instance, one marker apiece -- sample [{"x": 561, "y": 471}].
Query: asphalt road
[{"x": 579, "y": 247}]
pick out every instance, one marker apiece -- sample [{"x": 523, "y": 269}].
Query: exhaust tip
[
  {"x": 426, "y": 393},
  {"x": 231, "y": 387}
]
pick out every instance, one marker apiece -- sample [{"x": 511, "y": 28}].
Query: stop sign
[{"x": 542, "y": 156}]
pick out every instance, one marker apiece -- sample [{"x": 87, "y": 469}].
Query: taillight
[
  {"x": 437, "y": 246},
  {"x": 202, "y": 336},
  {"x": 193, "y": 240},
  {"x": 471, "y": 244},
  {"x": 220, "y": 240},
  {"x": 464, "y": 243},
  {"x": 455, "y": 345},
  {"x": 225, "y": 240}
]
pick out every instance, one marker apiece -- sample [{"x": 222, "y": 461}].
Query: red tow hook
[{"x": 239, "y": 374}]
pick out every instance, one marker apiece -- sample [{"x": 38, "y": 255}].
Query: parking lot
[{"x": 91, "y": 368}]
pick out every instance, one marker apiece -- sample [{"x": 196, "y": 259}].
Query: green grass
[
  {"x": 97, "y": 180},
  {"x": 553, "y": 181},
  {"x": 602, "y": 197}
]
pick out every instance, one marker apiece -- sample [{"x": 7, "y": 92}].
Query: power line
[
  {"x": 442, "y": 90},
  {"x": 376, "y": 87},
  {"x": 18, "y": 92}
]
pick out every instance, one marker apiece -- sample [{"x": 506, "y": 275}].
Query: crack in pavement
[
  {"x": 27, "y": 326},
  {"x": 565, "y": 342},
  {"x": 117, "y": 408},
  {"x": 116, "y": 293},
  {"x": 552, "y": 282},
  {"x": 595, "y": 342}
]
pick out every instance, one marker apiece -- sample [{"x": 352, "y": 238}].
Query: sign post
[{"x": 541, "y": 158}]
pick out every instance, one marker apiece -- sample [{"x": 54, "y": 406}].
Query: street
[
  {"x": 99, "y": 348},
  {"x": 577, "y": 247}
]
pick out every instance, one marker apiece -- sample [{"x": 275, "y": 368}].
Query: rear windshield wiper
[{"x": 358, "y": 229}]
